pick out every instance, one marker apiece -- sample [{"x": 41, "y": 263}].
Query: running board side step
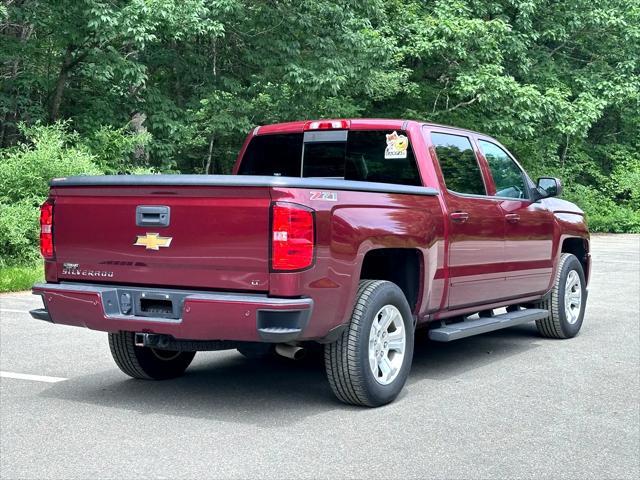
[{"x": 469, "y": 328}]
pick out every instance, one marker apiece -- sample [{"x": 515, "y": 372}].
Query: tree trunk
[
  {"x": 564, "y": 152},
  {"x": 209, "y": 157},
  {"x": 3, "y": 129},
  {"x": 68, "y": 64},
  {"x": 8, "y": 125},
  {"x": 61, "y": 83}
]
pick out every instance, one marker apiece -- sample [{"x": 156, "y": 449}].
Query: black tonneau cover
[{"x": 239, "y": 181}]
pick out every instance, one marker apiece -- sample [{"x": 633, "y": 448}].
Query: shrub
[
  {"x": 113, "y": 149},
  {"x": 14, "y": 279},
  {"x": 50, "y": 152},
  {"x": 18, "y": 233},
  {"x": 603, "y": 214}
]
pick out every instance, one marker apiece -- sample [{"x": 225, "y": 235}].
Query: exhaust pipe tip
[{"x": 294, "y": 352}]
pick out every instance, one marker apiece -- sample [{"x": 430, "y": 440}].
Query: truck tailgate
[{"x": 217, "y": 237}]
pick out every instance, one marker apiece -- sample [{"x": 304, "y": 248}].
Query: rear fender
[{"x": 358, "y": 231}]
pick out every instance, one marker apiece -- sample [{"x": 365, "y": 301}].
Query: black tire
[
  {"x": 556, "y": 325},
  {"x": 144, "y": 362},
  {"x": 347, "y": 360},
  {"x": 257, "y": 351}
]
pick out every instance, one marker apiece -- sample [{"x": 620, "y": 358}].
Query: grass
[{"x": 17, "y": 278}]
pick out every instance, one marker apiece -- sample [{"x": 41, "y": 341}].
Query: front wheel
[
  {"x": 369, "y": 364},
  {"x": 566, "y": 302},
  {"x": 146, "y": 362}
]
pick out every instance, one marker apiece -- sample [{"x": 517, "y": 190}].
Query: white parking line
[
  {"x": 10, "y": 310},
  {"x": 35, "y": 378}
]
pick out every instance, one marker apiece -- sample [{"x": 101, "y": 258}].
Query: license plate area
[
  {"x": 156, "y": 307},
  {"x": 144, "y": 303}
]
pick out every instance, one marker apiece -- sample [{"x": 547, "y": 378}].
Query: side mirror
[{"x": 548, "y": 187}]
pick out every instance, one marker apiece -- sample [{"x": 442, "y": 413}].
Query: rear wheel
[
  {"x": 145, "y": 362},
  {"x": 566, "y": 302},
  {"x": 369, "y": 364}
]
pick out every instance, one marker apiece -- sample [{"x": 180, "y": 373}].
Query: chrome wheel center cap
[
  {"x": 572, "y": 297},
  {"x": 387, "y": 343}
]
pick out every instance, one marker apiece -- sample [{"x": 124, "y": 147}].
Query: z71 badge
[{"x": 326, "y": 196}]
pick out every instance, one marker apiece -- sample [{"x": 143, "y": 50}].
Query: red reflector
[
  {"x": 327, "y": 125},
  {"x": 46, "y": 230},
  {"x": 292, "y": 240}
]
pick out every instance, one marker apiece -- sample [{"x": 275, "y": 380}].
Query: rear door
[
  {"x": 210, "y": 237},
  {"x": 528, "y": 225},
  {"x": 476, "y": 223}
]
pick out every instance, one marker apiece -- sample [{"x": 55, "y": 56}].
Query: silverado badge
[{"x": 153, "y": 241}]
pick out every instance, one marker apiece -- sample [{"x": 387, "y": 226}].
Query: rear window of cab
[{"x": 362, "y": 155}]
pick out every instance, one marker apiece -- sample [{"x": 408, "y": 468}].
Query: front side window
[
  {"x": 458, "y": 164},
  {"x": 506, "y": 174}
]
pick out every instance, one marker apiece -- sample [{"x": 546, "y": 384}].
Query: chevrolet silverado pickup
[{"x": 346, "y": 235}]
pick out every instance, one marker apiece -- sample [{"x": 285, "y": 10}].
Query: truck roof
[{"x": 355, "y": 124}]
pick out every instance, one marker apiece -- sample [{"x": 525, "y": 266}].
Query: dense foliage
[
  {"x": 176, "y": 84},
  {"x": 25, "y": 171}
]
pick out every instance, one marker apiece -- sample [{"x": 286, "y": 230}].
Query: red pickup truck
[{"x": 345, "y": 233}]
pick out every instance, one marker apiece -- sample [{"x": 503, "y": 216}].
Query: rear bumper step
[
  {"x": 469, "y": 328},
  {"x": 180, "y": 314},
  {"x": 40, "y": 314}
]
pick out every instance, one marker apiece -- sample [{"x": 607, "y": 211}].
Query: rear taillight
[
  {"x": 292, "y": 239},
  {"x": 46, "y": 229}
]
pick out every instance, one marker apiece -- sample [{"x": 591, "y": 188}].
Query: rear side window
[
  {"x": 363, "y": 155},
  {"x": 370, "y": 158},
  {"x": 506, "y": 174},
  {"x": 458, "y": 164}
]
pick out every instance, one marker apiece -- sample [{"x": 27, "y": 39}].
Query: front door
[
  {"x": 528, "y": 225},
  {"x": 476, "y": 225}
]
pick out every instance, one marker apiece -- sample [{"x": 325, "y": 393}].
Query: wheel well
[
  {"x": 580, "y": 248},
  {"x": 398, "y": 265}
]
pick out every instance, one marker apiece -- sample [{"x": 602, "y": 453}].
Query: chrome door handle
[
  {"x": 459, "y": 217},
  {"x": 512, "y": 217}
]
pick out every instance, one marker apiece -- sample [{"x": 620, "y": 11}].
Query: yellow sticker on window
[{"x": 396, "y": 146}]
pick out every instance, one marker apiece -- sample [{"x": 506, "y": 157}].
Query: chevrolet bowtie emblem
[{"x": 153, "y": 241}]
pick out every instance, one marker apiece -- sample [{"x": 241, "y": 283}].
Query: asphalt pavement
[{"x": 507, "y": 404}]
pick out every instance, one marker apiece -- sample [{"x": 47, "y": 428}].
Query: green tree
[{"x": 557, "y": 82}]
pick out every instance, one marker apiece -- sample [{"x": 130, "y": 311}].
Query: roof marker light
[{"x": 327, "y": 125}]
